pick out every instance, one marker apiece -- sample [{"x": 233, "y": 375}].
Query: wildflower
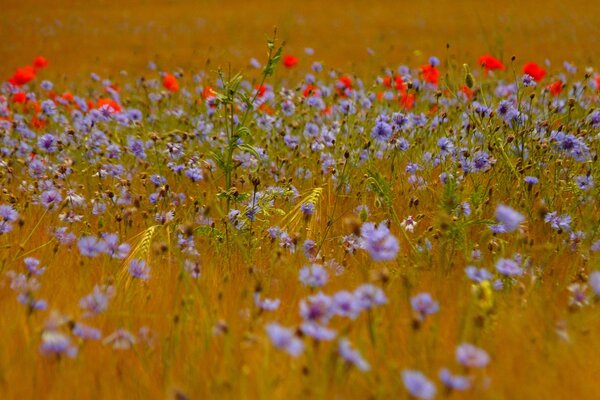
[
  {"x": 22, "y": 76},
  {"x": 40, "y": 62},
  {"x": 97, "y": 301},
  {"x": 379, "y": 242},
  {"x": 508, "y": 267},
  {"x": 471, "y": 356},
  {"x": 345, "y": 304},
  {"x": 352, "y": 356},
  {"x": 558, "y": 222},
  {"x": 594, "y": 282},
  {"x": 369, "y": 296},
  {"x": 418, "y": 385},
  {"x": 91, "y": 246},
  {"x": 121, "y": 339},
  {"x": 490, "y": 63},
  {"x": 317, "y": 332},
  {"x": 32, "y": 266},
  {"x": 55, "y": 343},
  {"x": 86, "y": 332},
  {"x": 508, "y": 217},
  {"x": 7, "y": 215},
  {"x": 317, "y": 308},
  {"x": 289, "y": 61},
  {"x": 534, "y": 70},
  {"x": 139, "y": 269},
  {"x": 285, "y": 339},
  {"x": 430, "y": 74},
  {"x": 170, "y": 83},
  {"x": 424, "y": 305},
  {"x": 454, "y": 382},
  {"x": 528, "y": 80},
  {"x": 579, "y": 297},
  {"x": 266, "y": 304}
]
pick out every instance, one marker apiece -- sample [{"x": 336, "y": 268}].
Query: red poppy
[
  {"x": 260, "y": 90},
  {"x": 311, "y": 90},
  {"x": 289, "y": 61},
  {"x": 40, "y": 62},
  {"x": 468, "y": 92},
  {"x": 407, "y": 100},
  {"x": 208, "y": 92},
  {"x": 68, "y": 96},
  {"x": 598, "y": 82},
  {"x": 556, "y": 87},
  {"x": 170, "y": 83},
  {"x": 430, "y": 74},
  {"x": 108, "y": 102},
  {"x": 534, "y": 70},
  {"x": 38, "y": 123},
  {"x": 22, "y": 76},
  {"x": 398, "y": 82},
  {"x": 490, "y": 63},
  {"x": 20, "y": 97},
  {"x": 344, "y": 83}
]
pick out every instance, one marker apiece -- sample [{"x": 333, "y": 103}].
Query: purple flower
[
  {"x": 317, "y": 332},
  {"x": 91, "y": 246},
  {"x": 471, "y": 356},
  {"x": 594, "y": 282},
  {"x": 317, "y": 308},
  {"x": 379, "y": 242},
  {"x": 418, "y": 385},
  {"x": 508, "y": 267},
  {"x": 97, "y": 301},
  {"x": 424, "y": 305},
  {"x": 139, "y": 269},
  {"x": 7, "y": 215},
  {"x": 478, "y": 274},
  {"x": 352, "y": 356},
  {"x": 86, "y": 332},
  {"x": 313, "y": 275},
  {"x": 510, "y": 218},
  {"x": 369, "y": 296},
  {"x": 32, "y": 265},
  {"x": 558, "y": 222},
  {"x": 345, "y": 304},
  {"x": 454, "y": 382},
  {"x": 50, "y": 198},
  {"x": 285, "y": 339},
  {"x": 55, "y": 343},
  {"x": 266, "y": 304},
  {"x": 382, "y": 131}
]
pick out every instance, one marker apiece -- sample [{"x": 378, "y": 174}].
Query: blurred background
[{"x": 108, "y": 36}]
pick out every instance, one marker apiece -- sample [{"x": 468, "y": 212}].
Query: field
[{"x": 371, "y": 201}]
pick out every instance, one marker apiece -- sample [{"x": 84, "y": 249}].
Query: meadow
[{"x": 370, "y": 208}]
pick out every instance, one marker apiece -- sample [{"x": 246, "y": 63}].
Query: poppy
[
  {"x": 398, "y": 82},
  {"x": 556, "y": 87},
  {"x": 208, "y": 92},
  {"x": 430, "y": 74},
  {"x": 108, "y": 102},
  {"x": 534, "y": 70},
  {"x": 311, "y": 90},
  {"x": 467, "y": 92},
  {"x": 289, "y": 61},
  {"x": 260, "y": 90},
  {"x": 343, "y": 84},
  {"x": 40, "y": 62},
  {"x": 598, "y": 82},
  {"x": 22, "y": 76},
  {"x": 20, "y": 97},
  {"x": 407, "y": 100},
  {"x": 170, "y": 83},
  {"x": 490, "y": 63}
]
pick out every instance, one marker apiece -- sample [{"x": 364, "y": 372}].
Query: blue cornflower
[{"x": 418, "y": 385}]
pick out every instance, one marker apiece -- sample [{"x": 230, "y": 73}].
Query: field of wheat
[{"x": 260, "y": 200}]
